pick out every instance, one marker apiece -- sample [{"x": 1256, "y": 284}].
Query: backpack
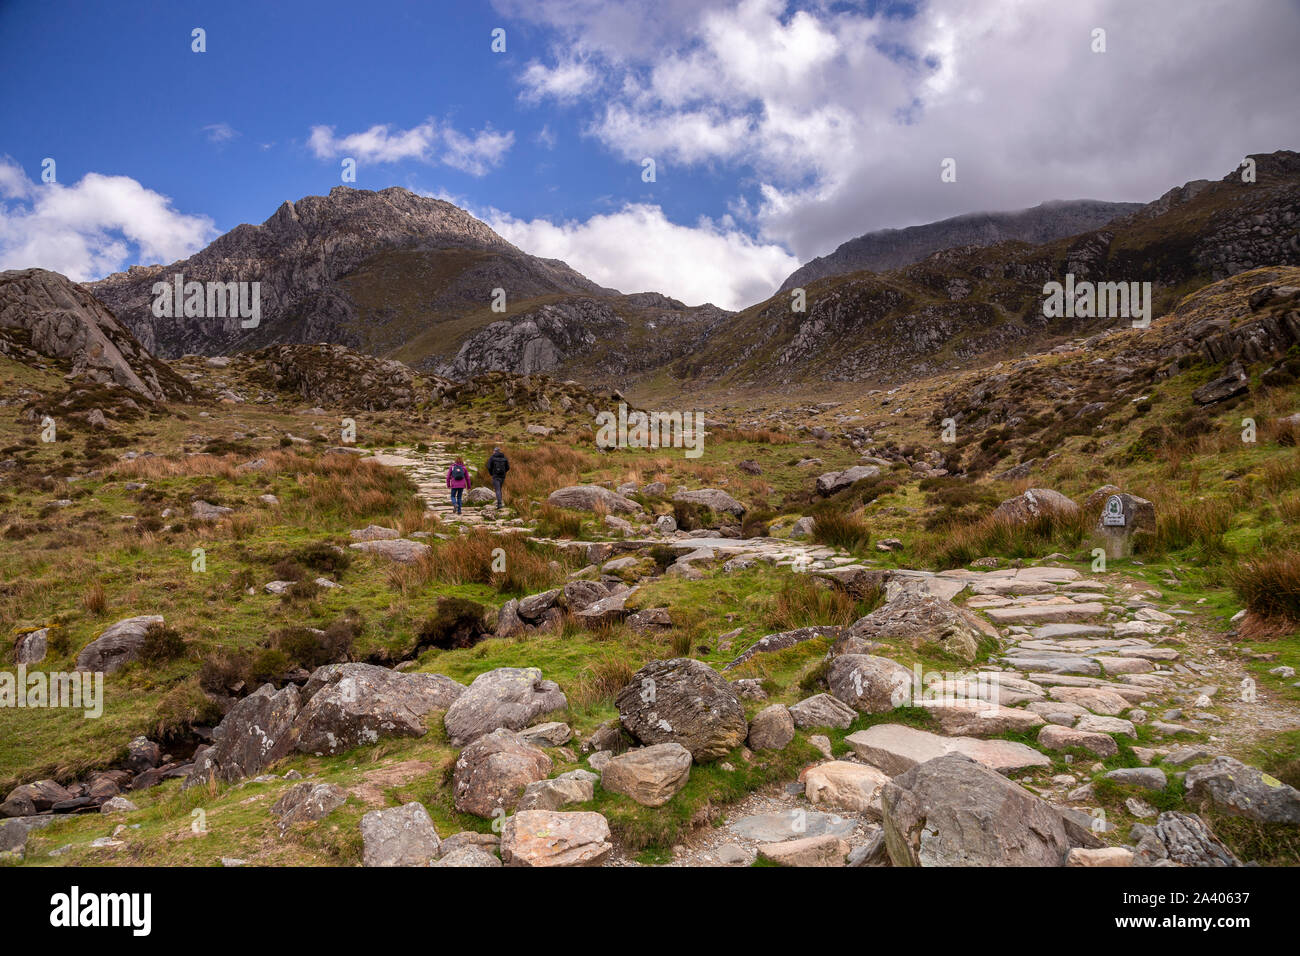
[{"x": 458, "y": 473}]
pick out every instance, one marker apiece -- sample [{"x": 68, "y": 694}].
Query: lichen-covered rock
[
  {"x": 354, "y": 705},
  {"x": 870, "y": 685},
  {"x": 822, "y": 710},
  {"x": 683, "y": 701},
  {"x": 399, "y": 836},
  {"x": 549, "y": 838},
  {"x": 255, "y": 733},
  {"x": 1243, "y": 791},
  {"x": 923, "y": 620},
  {"x": 952, "y": 811},
  {"x": 492, "y": 773},
  {"x": 510, "y": 697},
  {"x": 1033, "y": 504}
]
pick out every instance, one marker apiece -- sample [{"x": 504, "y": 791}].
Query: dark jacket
[{"x": 497, "y": 465}]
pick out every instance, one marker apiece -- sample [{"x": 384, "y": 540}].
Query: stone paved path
[{"x": 1091, "y": 656}]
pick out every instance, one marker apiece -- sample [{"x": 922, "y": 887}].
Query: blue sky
[{"x": 778, "y": 130}]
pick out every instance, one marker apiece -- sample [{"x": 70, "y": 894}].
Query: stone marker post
[{"x": 1123, "y": 518}]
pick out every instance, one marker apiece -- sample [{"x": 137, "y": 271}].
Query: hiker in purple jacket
[{"x": 458, "y": 480}]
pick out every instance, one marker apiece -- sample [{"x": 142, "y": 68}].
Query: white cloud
[
  {"x": 220, "y": 132},
  {"x": 835, "y": 120},
  {"x": 474, "y": 153},
  {"x": 637, "y": 249},
  {"x": 90, "y": 228},
  {"x": 565, "y": 81},
  {"x": 379, "y": 144}
]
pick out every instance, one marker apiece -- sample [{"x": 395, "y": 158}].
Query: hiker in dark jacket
[
  {"x": 458, "y": 480},
  {"x": 497, "y": 466}
]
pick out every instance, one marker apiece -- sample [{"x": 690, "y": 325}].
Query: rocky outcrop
[
  {"x": 61, "y": 320},
  {"x": 253, "y": 735}
]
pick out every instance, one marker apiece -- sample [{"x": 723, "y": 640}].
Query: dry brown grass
[
  {"x": 764, "y": 436},
  {"x": 1269, "y": 585},
  {"x": 93, "y": 599},
  {"x": 471, "y": 558},
  {"x": 600, "y": 682}
]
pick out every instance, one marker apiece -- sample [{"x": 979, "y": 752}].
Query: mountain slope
[
  {"x": 972, "y": 304},
  {"x": 347, "y": 267},
  {"x": 888, "y": 249}
]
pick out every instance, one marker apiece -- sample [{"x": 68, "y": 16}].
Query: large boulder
[
  {"x": 952, "y": 811},
  {"x": 923, "y": 620},
  {"x": 308, "y": 801},
  {"x": 1033, "y": 504},
  {"x": 589, "y": 497},
  {"x": 255, "y": 733},
  {"x": 1181, "y": 838},
  {"x": 822, "y": 710},
  {"x": 492, "y": 772},
  {"x": 142, "y": 754},
  {"x": 868, "y": 684},
  {"x": 683, "y": 701},
  {"x": 510, "y": 697},
  {"x": 30, "y": 647},
  {"x": 558, "y": 792},
  {"x": 1243, "y": 791},
  {"x": 31, "y": 798},
  {"x": 712, "y": 498},
  {"x": 399, "y": 836},
  {"x": 353, "y": 705},
  {"x": 834, "y": 481},
  {"x": 400, "y": 550},
  {"x": 550, "y": 838},
  {"x": 771, "y": 729},
  {"x": 608, "y": 610},
  {"x": 841, "y": 785},
  {"x": 583, "y": 594},
  {"x": 649, "y": 775},
  {"x": 117, "y": 645}
]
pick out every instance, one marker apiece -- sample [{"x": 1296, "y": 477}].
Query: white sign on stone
[{"x": 1113, "y": 515}]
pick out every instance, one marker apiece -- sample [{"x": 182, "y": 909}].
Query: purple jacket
[{"x": 462, "y": 483}]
